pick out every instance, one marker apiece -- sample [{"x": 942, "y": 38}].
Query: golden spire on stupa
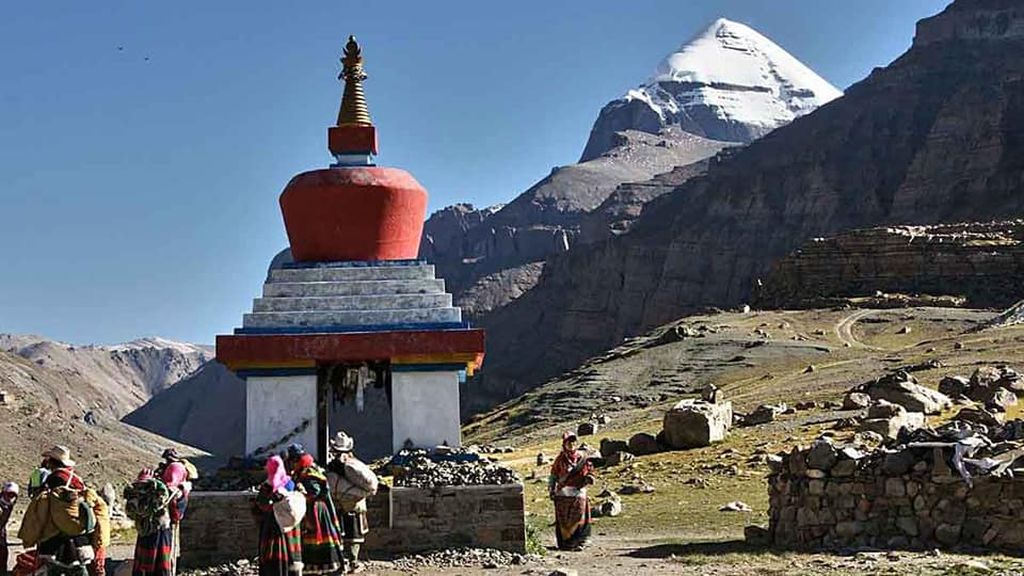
[{"x": 353, "y": 102}]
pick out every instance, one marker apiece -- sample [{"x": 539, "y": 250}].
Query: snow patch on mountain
[{"x": 727, "y": 83}]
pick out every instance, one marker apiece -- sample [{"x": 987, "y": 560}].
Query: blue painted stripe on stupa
[
  {"x": 427, "y": 367},
  {"x": 275, "y": 372},
  {"x": 347, "y": 329}
]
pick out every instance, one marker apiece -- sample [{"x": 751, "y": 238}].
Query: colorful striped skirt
[
  {"x": 280, "y": 552},
  {"x": 321, "y": 539},
  {"x": 153, "y": 554},
  {"x": 572, "y": 521}
]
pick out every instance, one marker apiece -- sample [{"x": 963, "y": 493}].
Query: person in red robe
[{"x": 571, "y": 473}]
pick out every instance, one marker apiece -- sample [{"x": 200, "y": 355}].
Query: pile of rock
[
  {"x": 894, "y": 402},
  {"x": 462, "y": 558},
  {"x": 422, "y": 469},
  {"x": 901, "y": 387},
  {"x": 238, "y": 475},
  {"x": 997, "y": 387},
  {"x": 959, "y": 485}
]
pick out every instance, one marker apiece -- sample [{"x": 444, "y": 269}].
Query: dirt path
[{"x": 844, "y": 330}]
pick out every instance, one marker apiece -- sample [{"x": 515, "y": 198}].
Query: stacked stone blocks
[{"x": 908, "y": 499}]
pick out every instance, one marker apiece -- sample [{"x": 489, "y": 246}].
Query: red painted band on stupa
[
  {"x": 354, "y": 213},
  {"x": 352, "y": 139},
  {"x": 270, "y": 349}
]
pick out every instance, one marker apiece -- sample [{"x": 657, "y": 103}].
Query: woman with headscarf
[
  {"x": 175, "y": 476},
  {"x": 571, "y": 473},
  {"x": 321, "y": 530},
  {"x": 280, "y": 551},
  {"x": 146, "y": 503}
]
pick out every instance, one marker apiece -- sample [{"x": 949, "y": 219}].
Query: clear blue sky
[{"x": 143, "y": 144}]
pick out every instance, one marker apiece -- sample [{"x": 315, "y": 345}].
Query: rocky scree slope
[
  {"x": 937, "y": 136},
  {"x": 727, "y": 83}
]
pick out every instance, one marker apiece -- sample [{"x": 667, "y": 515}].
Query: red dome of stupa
[{"x": 354, "y": 210}]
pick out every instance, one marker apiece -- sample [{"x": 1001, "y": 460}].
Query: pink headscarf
[
  {"x": 277, "y": 476},
  {"x": 175, "y": 475}
]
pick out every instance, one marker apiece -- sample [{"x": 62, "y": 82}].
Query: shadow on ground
[{"x": 697, "y": 549}]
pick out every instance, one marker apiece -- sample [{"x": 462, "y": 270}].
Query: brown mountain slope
[
  {"x": 45, "y": 406},
  {"x": 937, "y": 136}
]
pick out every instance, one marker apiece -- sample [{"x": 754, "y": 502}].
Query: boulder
[
  {"x": 609, "y": 447},
  {"x": 710, "y": 393},
  {"x": 1001, "y": 400},
  {"x": 981, "y": 416},
  {"x": 695, "y": 423},
  {"x": 764, "y": 414},
  {"x": 856, "y": 401},
  {"x": 954, "y": 386},
  {"x": 610, "y": 507},
  {"x": 988, "y": 380},
  {"x": 757, "y": 535},
  {"x": 888, "y": 419},
  {"x": 642, "y": 444},
  {"x": 902, "y": 388},
  {"x": 586, "y": 429},
  {"x": 822, "y": 455}
]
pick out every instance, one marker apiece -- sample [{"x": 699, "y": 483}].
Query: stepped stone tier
[{"x": 353, "y": 334}]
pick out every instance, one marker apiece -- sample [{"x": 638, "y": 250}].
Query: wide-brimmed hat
[
  {"x": 342, "y": 442},
  {"x": 61, "y": 454},
  {"x": 11, "y": 488}
]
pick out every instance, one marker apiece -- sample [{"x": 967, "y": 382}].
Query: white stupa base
[
  {"x": 425, "y": 409},
  {"x": 277, "y": 405}
]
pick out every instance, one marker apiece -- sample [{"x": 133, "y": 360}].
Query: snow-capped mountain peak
[{"x": 728, "y": 82}]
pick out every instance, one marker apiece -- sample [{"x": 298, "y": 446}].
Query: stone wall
[
  {"x": 907, "y": 499},
  {"x": 220, "y": 526}
]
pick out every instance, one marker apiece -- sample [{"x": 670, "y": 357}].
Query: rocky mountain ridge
[
  {"x": 937, "y": 136},
  {"x": 129, "y": 374}
]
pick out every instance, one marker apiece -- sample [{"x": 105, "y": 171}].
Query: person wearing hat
[
  {"x": 571, "y": 473},
  {"x": 62, "y": 469},
  {"x": 351, "y": 481},
  {"x": 8, "y": 497}
]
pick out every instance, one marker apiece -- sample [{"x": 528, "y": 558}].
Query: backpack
[
  {"x": 70, "y": 511},
  {"x": 145, "y": 502},
  {"x": 290, "y": 510}
]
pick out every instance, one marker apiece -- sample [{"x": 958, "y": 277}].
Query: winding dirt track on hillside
[{"x": 844, "y": 330}]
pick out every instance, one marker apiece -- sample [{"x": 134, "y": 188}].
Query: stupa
[{"x": 352, "y": 332}]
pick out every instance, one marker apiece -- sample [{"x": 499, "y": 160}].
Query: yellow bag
[
  {"x": 66, "y": 512},
  {"x": 34, "y": 524},
  {"x": 101, "y": 536}
]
